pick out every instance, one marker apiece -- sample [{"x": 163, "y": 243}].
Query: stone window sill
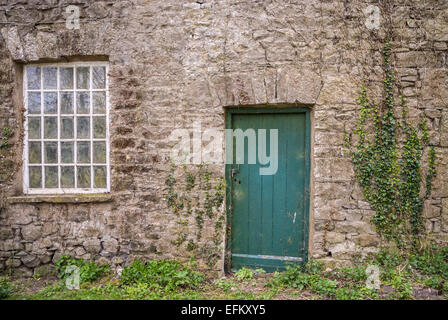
[{"x": 72, "y": 198}]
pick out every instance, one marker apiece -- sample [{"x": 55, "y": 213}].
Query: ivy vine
[
  {"x": 199, "y": 198},
  {"x": 4, "y": 137},
  {"x": 390, "y": 173}
]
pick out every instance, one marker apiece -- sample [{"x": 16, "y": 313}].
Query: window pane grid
[
  {"x": 68, "y": 90},
  {"x": 94, "y": 139},
  {"x": 74, "y": 148},
  {"x": 59, "y": 126},
  {"x": 75, "y": 128},
  {"x": 43, "y": 130},
  {"x": 91, "y": 126}
]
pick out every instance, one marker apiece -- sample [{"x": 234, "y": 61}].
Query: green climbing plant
[
  {"x": 391, "y": 173},
  {"x": 197, "y": 200},
  {"x": 4, "y": 137}
]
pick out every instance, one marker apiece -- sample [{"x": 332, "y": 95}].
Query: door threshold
[{"x": 267, "y": 257}]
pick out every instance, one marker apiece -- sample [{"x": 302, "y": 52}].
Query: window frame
[{"x": 91, "y": 139}]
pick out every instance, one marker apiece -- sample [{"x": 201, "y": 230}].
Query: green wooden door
[{"x": 268, "y": 213}]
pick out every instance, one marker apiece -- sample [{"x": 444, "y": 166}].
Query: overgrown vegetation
[
  {"x": 161, "y": 274},
  {"x": 401, "y": 277},
  {"x": 5, "y": 288},
  {"x": 244, "y": 274},
  {"x": 424, "y": 268},
  {"x": 341, "y": 284},
  {"x": 391, "y": 173},
  {"x": 88, "y": 270}
]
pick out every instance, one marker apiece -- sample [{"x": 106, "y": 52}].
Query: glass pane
[
  {"x": 99, "y": 177},
  {"x": 99, "y": 102},
  {"x": 83, "y": 127},
  {"x": 50, "y": 81},
  {"x": 67, "y": 177},
  {"x": 67, "y": 128},
  {"x": 51, "y": 177},
  {"x": 67, "y": 152},
  {"x": 99, "y": 152},
  {"x": 34, "y": 128},
  {"x": 33, "y": 102},
  {"x": 83, "y": 152},
  {"x": 67, "y": 102},
  {"x": 33, "y": 77},
  {"x": 99, "y": 127},
  {"x": 50, "y": 127},
  {"x": 99, "y": 77},
  {"x": 82, "y": 78},
  {"x": 66, "y": 78},
  {"x": 35, "y": 177},
  {"x": 50, "y": 102},
  {"x": 83, "y": 177},
  {"x": 82, "y": 102},
  {"x": 35, "y": 152},
  {"x": 51, "y": 152}
]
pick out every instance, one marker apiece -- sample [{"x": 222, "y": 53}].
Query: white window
[{"x": 66, "y": 146}]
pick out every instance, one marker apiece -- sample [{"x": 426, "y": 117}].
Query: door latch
[{"x": 233, "y": 172}]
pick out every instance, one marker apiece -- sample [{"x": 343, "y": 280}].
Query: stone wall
[{"x": 174, "y": 62}]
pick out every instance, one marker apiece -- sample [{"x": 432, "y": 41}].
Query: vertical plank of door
[
  {"x": 241, "y": 191},
  {"x": 279, "y": 191},
  {"x": 255, "y": 122},
  {"x": 295, "y": 183},
  {"x": 267, "y": 193}
]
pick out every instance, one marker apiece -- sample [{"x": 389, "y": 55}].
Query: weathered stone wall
[{"x": 174, "y": 62}]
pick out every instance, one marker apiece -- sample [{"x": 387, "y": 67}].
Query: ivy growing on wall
[
  {"x": 391, "y": 173},
  {"x": 5, "y": 173},
  {"x": 198, "y": 198},
  {"x": 4, "y": 137}
]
